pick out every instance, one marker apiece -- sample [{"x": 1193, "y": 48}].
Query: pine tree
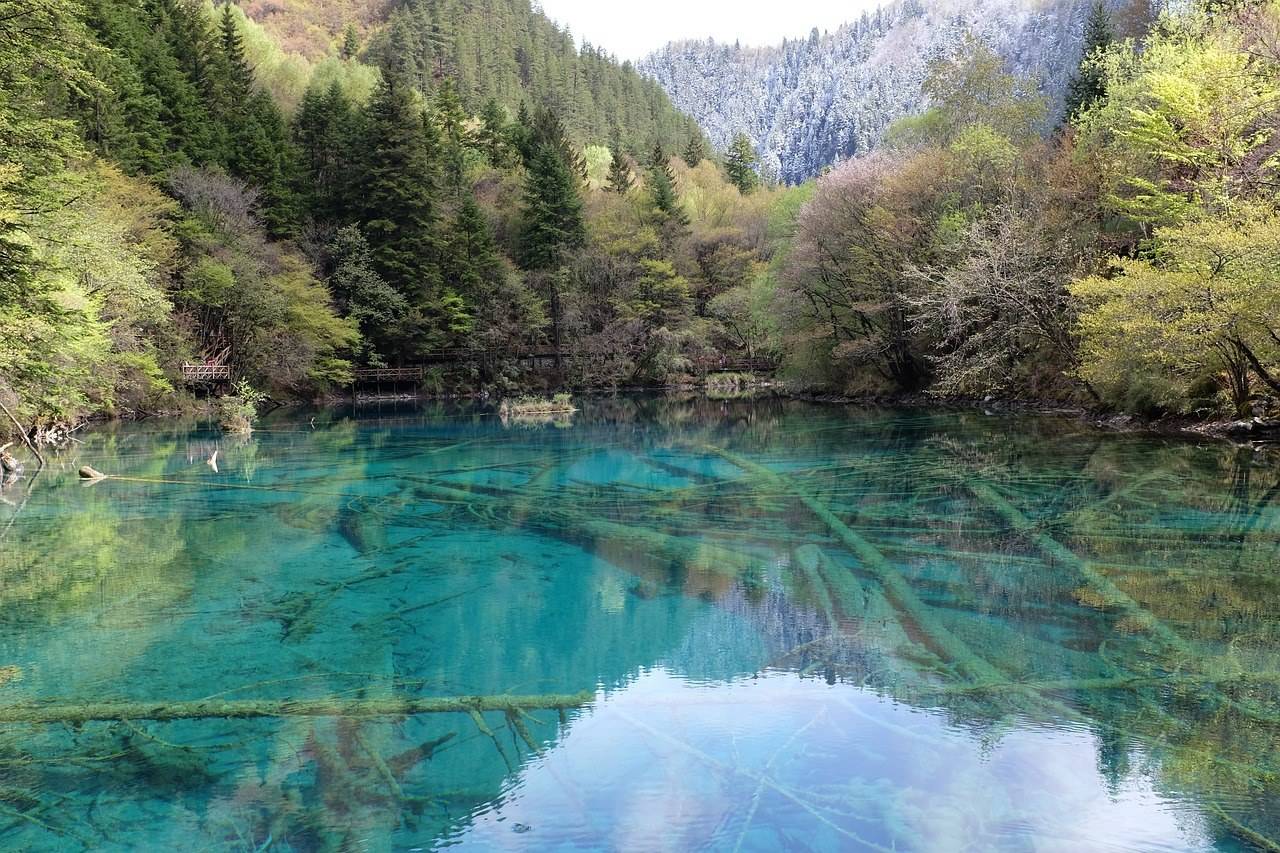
[
  {"x": 123, "y": 119},
  {"x": 173, "y": 59},
  {"x": 356, "y": 286},
  {"x": 451, "y": 119},
  {"x": 234, "y": 77},
  {"x": 494, "y": 135},
  {"x": 258, "y": 148},
  {"x": 547, "y": 129},
  {"x": 1088, "y": 85},
  {"x": 350, "y": 43},
  {"x": 739, "y": 163},
  {"x": 662, "y": 188},
  {"x": 326, "y": 134},
  {"x": 620, "y": 179},
  {"x": 475, "y": 267},
  {"x": 399, "y": 189},
  {"x": 695, "y": 152},
  {"x": 553, "y": 218}
]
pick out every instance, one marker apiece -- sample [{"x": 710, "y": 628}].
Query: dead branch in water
[{"x": 399, "y": 706}]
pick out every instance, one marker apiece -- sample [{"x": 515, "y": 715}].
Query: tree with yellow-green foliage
[
  {"x": 1185, "y": 123},
  {"x": 1201, "y": 311}
]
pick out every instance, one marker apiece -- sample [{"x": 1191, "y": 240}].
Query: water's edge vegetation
[{"x": 176, "y": 188}]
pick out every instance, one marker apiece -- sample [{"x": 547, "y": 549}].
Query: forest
[{"x": 177, "y": 186}]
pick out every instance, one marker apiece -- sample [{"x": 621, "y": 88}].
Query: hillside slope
[
  {"x": 501, "y": 49},
  {"x": 811, "y": 102}
]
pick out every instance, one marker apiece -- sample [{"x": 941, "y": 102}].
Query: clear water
[{"x": 908, "y": 631}]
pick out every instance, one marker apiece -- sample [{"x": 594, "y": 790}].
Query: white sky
[{"x": 632, "y": 30}]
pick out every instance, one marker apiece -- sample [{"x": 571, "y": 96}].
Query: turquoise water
[{"x": 742, "y": 625}]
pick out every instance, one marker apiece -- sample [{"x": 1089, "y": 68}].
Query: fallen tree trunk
[
  {"x": 398, "y": 706},
  {"x": 1111, "y": 595},
  {"x": 1121, "y": 682},
  {"x": 953, "y": 649}
]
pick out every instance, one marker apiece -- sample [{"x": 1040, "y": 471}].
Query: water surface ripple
[{"x": 734, "y": 625}]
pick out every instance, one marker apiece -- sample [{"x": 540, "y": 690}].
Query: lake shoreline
[{"x": 1241, "y": 432}]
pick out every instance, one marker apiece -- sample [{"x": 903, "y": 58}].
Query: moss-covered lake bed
[{"x": 659, "y": 622}]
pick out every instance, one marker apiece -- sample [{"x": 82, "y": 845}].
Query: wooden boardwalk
[
  {"x": 416, "y": 374},
  {"x": 200, "y": 374}
]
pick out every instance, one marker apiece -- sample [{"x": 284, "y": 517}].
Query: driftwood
[
  {"x": 84, "y": 712},
  {"x": 22, "y": 433}
]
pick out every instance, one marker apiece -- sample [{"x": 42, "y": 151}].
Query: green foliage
[
  {"x": 1182, "y": 120},
  {"x": 508, "y": 51},
  {"x": 662, "y": 190},
  {"x": 1088, "y": 85},
  {"x": 326, "y": 132},
  {"x": 400, "y": 184},
  {"x": 238, "y": 410},
  {"x": 695, "y": 151},
  {"x": 350, "y": 42},
  {"x": 1203, "y": 304},
  {"x": 553, "y": 217},
  {"x": 620, "y": 179},
  {"x": 740, "y": 161},
  {"x": 972, "y": 88}
]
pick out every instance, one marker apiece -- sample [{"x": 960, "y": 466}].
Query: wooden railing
[
  {"x": 736, "y": 365},
  {"x": 536, "y": 359},
  {"x": 388, "y": 374},
  {"x": 195, "y": 373}
]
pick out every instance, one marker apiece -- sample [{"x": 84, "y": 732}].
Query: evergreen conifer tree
[
  {"x": 494, "y": 135},
  {"x": 1088, "y": 85},
  {"x": 553, "y": 217},
  {"x": 739, "y": 163},
  {"x": 474, "y": 265},
  {"x": 620, "y": 179},
  {"x": 451, "y": 119},
  {"x": 350, "y": 42},
  {"x": 326, "y": 135},
  {"x": 399, "y": 189},
  {"x": 662, "y": 188},
  {"x": 695, "y": 152}
]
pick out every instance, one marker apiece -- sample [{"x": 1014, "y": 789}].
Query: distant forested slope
[
  {"x": 809, "y": 103},
  {"x": 500, "y": 49}
]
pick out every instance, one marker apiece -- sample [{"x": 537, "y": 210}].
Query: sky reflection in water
[{"x": 910, "y": 631}]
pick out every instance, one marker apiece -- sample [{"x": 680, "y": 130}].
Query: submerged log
[
  {"x": 398, "y": 706},
  {"x": 1110, "y": 594},
  {"x": 1105, "y": 683},
  {"x": 897, "y": 589}
]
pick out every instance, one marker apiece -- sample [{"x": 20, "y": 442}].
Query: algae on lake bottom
[{"x": 676, "y": 622}]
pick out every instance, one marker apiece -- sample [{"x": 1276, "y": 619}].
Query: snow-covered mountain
[{"x": 811, "y": 102}]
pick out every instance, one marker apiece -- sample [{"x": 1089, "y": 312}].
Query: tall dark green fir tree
[
  {"x": 451, "y": 120},
  {"x": 350, "y": 42},
  {"x": 695, "y": 152},
  {"x": 662, "y": 188},
  {"x": 258, "y": 147},
  {"x": 620, "y": 180},
  {"x": 739, "y": 163},
  {"x": 1088, "y": 85},
  {"x": 494, "y": 135},
  {"x": 553, "y": 216},
  {"x": 474, "y": 266},
  {"x": 400, "y": 186},
  {"x": 327, "y": 135}
]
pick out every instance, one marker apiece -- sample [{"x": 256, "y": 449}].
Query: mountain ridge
[{"x": 811, "y": 102}]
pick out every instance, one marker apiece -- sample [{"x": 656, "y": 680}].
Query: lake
[{"x": 661, "y": 623}]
